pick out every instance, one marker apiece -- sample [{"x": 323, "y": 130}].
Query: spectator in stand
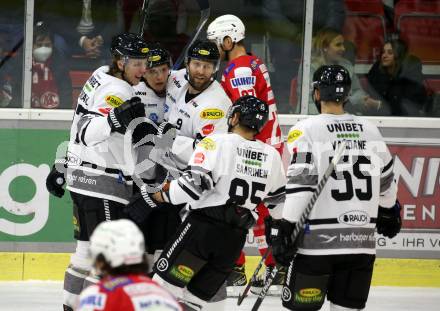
[
  {"x": 10, "y": 75},
  {"x": 328, "y": 49},
  {"x": 284, "y": 23},
  {"x": 51, "y": 84},
  {"x": 82, "y": 27},
  {"x": 396, "y": 80}
]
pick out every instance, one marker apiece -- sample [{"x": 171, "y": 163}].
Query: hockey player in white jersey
[
  {"x": 228, "y": 175},
  {"x": 196, "y": 103},
  {"x": 334, "y": 254},
  {"x": 152, "y": 87},
  {"x": 97, "y": 176}
]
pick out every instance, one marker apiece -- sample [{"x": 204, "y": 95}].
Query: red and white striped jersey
[{"x": 247, "y": 75}]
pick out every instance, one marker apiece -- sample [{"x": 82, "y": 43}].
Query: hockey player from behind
[
  {"x": 228, "y": 175},
  {"x": 118, "y": 255},
  {"x": 97, "y": 176},
  {"x": 245, "y": 74},
  {"x": 335, "y": 252}
]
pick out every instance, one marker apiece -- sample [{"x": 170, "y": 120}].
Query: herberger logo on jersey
[
  {"x": 212, "y": 114},
  {"x": 207, "y": 144},
  {"x": 293, "y": 135},
  {"x": 354, "y": 218},
  {"x": 114, "y": 101},
  {"x": 199, "y": 157},
  {"x": 208, "y": 129},
  {"x": 243, "y": 81}
]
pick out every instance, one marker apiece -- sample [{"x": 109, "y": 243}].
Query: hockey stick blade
[
  {"x": 204, "y": 16},
  {"x": 302, "y": 220},
  {"x": 244, "y": 292}
]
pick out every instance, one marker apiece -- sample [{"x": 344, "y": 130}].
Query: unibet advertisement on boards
[{"x": 28, "y": 213}]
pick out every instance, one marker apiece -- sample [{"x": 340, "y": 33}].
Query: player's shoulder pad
[{"x": 114, "y": 283}]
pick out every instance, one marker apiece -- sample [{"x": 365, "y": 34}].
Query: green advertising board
[{"x": 28, "y": 213}]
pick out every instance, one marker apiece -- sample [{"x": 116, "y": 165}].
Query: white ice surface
[{"x": 47, "y": 296}]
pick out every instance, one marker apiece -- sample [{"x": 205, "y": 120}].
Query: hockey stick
[
  {"x": 204, "y": 15},
  {"x": 243, "y": 294},
  {"x": 300, "y": 224},
  {"x": 143, "y": 17}
]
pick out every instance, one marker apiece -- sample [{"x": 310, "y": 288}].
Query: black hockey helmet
[
  {"x": 204, "y": 50},
  {"x": 129, "y": 45},
  {"x": 254, "y": 112},
  {"x": 157, "y": 56},
  {"x": 333, "y": 83}
]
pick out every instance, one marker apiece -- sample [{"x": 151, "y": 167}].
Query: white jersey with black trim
[
  {"x": 205, "y": 114},
  {"x": 201, "y": 116},
  {"x": 154, "y": 104},
  {"x": 343, "y": 219},
  {"x": 98, "y": 164},
  {"x": 227, "y": 168}
]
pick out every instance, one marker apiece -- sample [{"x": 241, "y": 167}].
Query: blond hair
[{"x": 320, "y": 42}]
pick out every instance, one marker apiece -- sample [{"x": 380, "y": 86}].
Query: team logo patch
[
  {"x": 145, "y": 50},
  {"x": 104, "y": 111},
  {"x": 207, "y": 144},
  {"x": 212, "y": 114},
  {"x": 153, "y": 117},
  {"x": 293, "y": 135},
  {"x": 199, "y": 158},
  {"x": 114, "y": 101},
  {"x": 203, "y": 52},
  {"x": 286, "y": 294},
  {"x": 116, "y": 282},
  {"x": 208, "y": 129},
  {"x": 154, "y": 58},
  {"x": 162, "y": 264},
  {"x": 243, "y": 81}
]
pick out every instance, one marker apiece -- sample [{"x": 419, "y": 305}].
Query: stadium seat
[
  {"x": 293, "y": 98},
  {"x": 418, "y": 23},
  {"x": 78, "y": 78},
  {"x": 365, "y": 27}
]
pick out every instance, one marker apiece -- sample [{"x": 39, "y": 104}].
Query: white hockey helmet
[
  {"x": 119, "y": 241},
  {"x": 225, "y": 26}
]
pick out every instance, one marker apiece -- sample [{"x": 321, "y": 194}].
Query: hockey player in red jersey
[
  {"x": 245, "y": 74},
  {"x": 118, "y": 253}
]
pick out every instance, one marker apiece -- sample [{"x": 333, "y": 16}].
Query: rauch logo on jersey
[
  {"x": 243, "y": 81},
  {"x": 354, "y": 218},
  {"x": 212, "y": 114},
  {"x": 113, "y": 101}
]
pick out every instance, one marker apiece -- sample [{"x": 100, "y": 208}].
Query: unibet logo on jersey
[
  {"x": 212, "y": 114},
  {"x": 114, "y": 101}
]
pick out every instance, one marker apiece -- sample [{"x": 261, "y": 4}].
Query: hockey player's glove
[
  {"x": 56, "y": 178},
  {"x": 279, "y": 236},
  {"x": 140, "y": 206},
  {"x": 120, "y": 117},
  {"x": 389, "y": 221}
]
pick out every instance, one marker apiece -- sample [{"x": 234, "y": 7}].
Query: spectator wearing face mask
[{"x": 51, "y": 85}]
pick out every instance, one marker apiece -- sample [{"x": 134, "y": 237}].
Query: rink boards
[{"x": 36, "y": 230}]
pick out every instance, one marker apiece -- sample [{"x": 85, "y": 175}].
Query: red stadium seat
[
  {"x": 418, "y": 23},
  {"x": 78, "y": 78},
  {"x": 365, "y": 26},
  {"x": 293, "y": 98}
]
